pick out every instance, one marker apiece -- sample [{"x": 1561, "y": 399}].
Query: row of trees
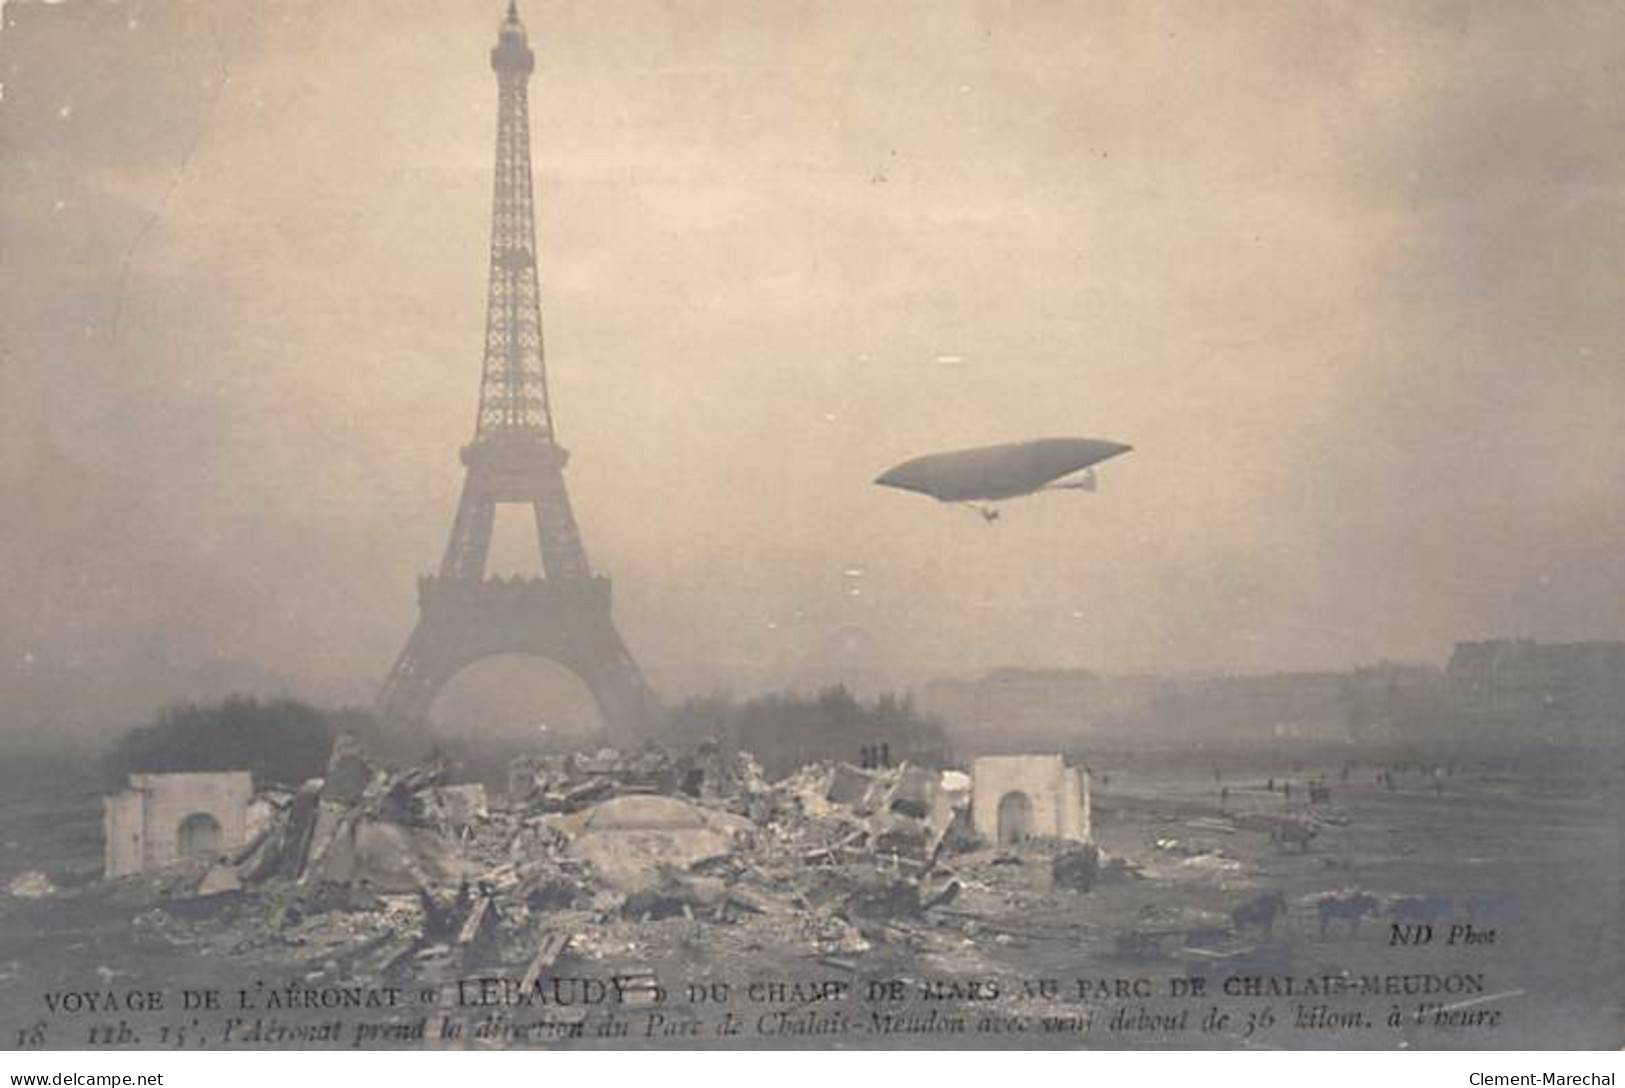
[
  {"x": 280, "y": 740},
  {"x": 287, "y": 741},
  {"x": 785, "y": 731}
]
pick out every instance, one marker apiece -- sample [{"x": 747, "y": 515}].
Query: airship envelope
[{"x": 990, "y": 473}]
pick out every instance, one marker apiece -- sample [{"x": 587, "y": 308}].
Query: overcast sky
[{"x": 1345, "y": 274}]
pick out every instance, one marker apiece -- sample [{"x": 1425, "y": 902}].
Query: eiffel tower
[{"x": 465, "y": 616}]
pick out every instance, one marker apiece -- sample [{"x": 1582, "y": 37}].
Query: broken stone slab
[
  {"x": 915, "y": 792},
  {"x": 582, "y": 795},
  {"x": 334, "y": 822},
  {"x": 219, "y": 880},
  {"x": 850, "y": 786},
  {"x": 292, "y": 849},
  {"x": 388, "y": 857},
  {"x": 959, "y": 832},
  {"x": 410, "y": 796},
  {"x": 462, "y": 805},
  {"x": 630, "y": 841},
  {"x": 266, "y": 810},
  {"x": 944, "y": 896},
  {"x": 549, "y": 947},
  {"x": 479, "y": 920},
  {"x": 896, "y": 834}
]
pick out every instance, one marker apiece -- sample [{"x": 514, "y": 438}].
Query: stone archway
[
  {"x": 199, "y": 836},
  {"x": 1015, "y": 818}
]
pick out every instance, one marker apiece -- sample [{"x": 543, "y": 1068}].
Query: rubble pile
[
  {"x": 398, "y": 873},
  {"x": 638, "y": 860},
  {"x": 647, "y": 863}
]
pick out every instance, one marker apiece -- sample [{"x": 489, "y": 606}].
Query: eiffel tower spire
[
  {"x": 513, "y": 385},
  {"x": 515, "y": 458}
]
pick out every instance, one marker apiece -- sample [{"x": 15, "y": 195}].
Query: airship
[{"x": 988, "y": 474}]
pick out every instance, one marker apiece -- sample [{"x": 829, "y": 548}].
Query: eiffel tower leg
[
  {"x": 625, "y": 703},
  {"x": 411, "y": 684},
  {"x": 556, "y": 533},
  {"x": 470, "y": 542}
]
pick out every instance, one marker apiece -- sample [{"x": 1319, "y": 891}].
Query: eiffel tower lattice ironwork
[{"x": 564, "y": 616}]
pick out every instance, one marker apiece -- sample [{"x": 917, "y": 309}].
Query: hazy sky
[{"x": 1345, "y": 274}]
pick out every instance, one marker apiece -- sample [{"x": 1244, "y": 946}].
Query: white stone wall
[
  {"x": 1075, "y": 807},
  {"x": 1058, "y": 794},
  {"x": 122, "y": 829},
  {"x": 142, "y": 824}
]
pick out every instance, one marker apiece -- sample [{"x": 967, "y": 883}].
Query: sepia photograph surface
[{"x": 812, "y": 524}]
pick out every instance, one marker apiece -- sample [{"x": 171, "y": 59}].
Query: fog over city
[{"x": 1344, "y": 276}]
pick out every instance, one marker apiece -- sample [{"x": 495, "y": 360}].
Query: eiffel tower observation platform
[{"x": 510, "y": 464}]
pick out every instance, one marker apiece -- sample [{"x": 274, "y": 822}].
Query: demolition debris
[{"x": 597, "y": 874}]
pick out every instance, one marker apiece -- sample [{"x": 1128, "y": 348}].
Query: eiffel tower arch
[{"x": 464, "y": 616}]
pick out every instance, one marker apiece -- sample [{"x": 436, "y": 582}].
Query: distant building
[
  {"x": 1390, "y": 702},
  {"x": 1510, "y": 689},
  {"x": 163, "y": 818},
  {"x": 1271, "y": 706},
  {"x": 1015, "y": 798},
  {"x": 1527, "y": 689}
]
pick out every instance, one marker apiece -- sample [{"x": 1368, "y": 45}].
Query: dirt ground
[{"x": 1533, "y": 856}]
